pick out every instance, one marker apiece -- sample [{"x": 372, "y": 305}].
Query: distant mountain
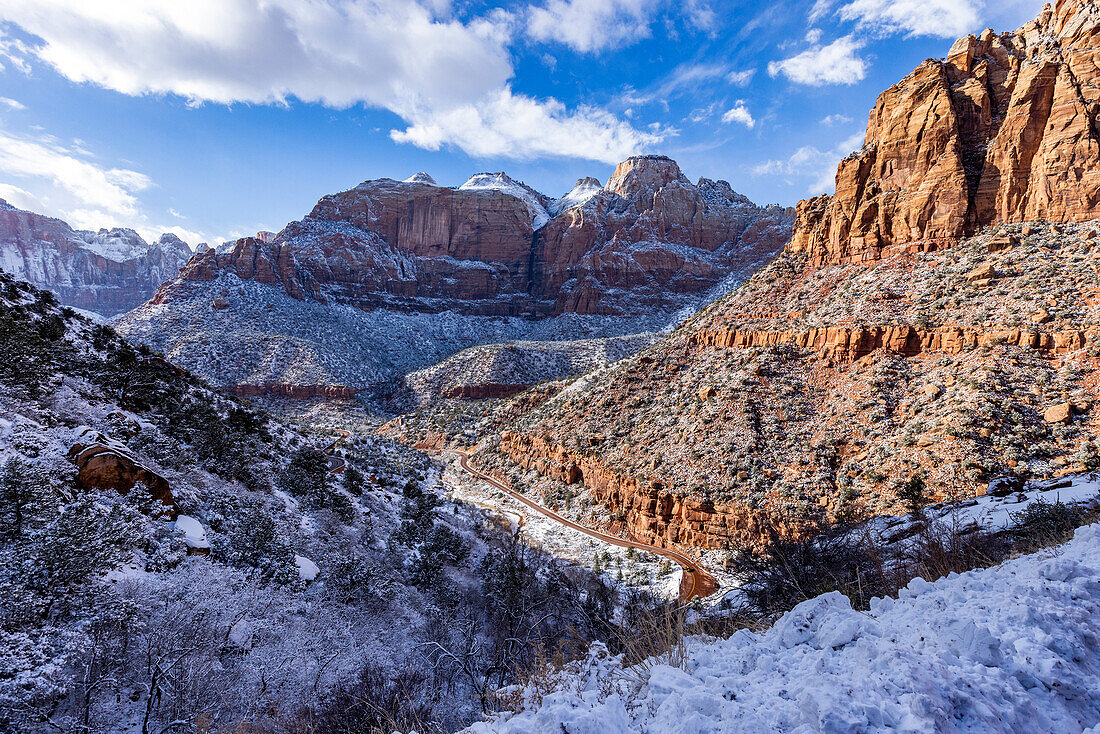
[
  {"x": 381, "y": 259},
  {"x": 110, "y": 271}
]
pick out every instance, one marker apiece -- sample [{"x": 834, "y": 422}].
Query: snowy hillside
[
  {"x": 1012, "y": 648},
  {"x": 523, "y": 363},
  {"x": 265, "y": 336},
  {"x": 283, "y": 573}
]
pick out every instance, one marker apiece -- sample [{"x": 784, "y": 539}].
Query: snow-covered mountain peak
[
  {"x": 585, "y": 189},
  {"x": 535, "y": 201},
  {"x": 119, "y": 244},
  {"x": 5, "y": 206},
  {"x": 169, "y": 241},
  {"x": 421, "y": 178}
]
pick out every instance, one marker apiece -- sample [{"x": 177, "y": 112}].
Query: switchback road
[{"x": 696, "y": 582}]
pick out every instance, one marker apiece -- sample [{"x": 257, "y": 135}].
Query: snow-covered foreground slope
[{"x": 1014, "y": 648}]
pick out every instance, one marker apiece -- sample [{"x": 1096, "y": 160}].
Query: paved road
[
  {"x": 696, "y": 582},
  {"x": 336, "y": 465}
]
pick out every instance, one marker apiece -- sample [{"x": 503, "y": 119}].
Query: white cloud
[
  {"x": 68, "y": 183},
  {"x": 529, "y": 129},
  {"x": 12, "y": 104},
  {"x": 82, "y": 190},
  {"x": 943, "y": 18},
  {"x": 809, "y": 162},
  {"x": 836, "y": 119},
  {"x": 836, "y": 63},
  {"x": 591, "y": 25},
  {"x": 741, "y": 78},
  {"x": 739, "y": 113},
  {"x": 409, "y": 57}
]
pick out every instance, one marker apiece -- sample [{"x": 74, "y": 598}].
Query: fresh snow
[
  {"x": 421, "y": 178},
  {"x": 585, "y": 189},
  {"x": 307, "y": 569},
  {"x": 502, "y": 182},
  {"x": 1006, "y": 649},
  {"x": 118, "y": 245},
  {"x": 193, "y": 533}
]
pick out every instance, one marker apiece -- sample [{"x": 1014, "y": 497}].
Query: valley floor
[{"x": 1011, "y": 648}]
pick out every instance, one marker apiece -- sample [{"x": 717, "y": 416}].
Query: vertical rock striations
[{"x": 1002, "y": 130}]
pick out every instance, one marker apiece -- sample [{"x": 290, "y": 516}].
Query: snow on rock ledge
[{"x": 1007, "y": 649}]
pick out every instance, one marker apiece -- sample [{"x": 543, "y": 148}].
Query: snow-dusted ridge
[
  {"x": 503, "y": 182},
  {"x": 1006, "y": 649}
]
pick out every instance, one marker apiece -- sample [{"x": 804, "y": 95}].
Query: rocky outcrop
[
  {"x": 1002, "y": 130},
  {"x": 295, "y": 392},
  {"x": 109, "y": 271},
  {"x": 649, "y": 511},
  {"x": 106, "y": 464},
  {"x": 648, "y": 240},
  {"x": 841, "y": 344}
]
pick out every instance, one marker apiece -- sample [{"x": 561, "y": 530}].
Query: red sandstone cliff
[
  {"x": 110, "y": 271},
  {"x": 1003, "y": 130},
  {"x": 649, "y": 240}
]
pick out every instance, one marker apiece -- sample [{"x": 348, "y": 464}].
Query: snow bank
[
  {"x": 194, "y": 535},
  {"x": 1008, "y": 649},
  {"x": 307, "y": 569}
]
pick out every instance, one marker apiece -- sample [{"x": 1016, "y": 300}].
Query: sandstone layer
[{"x": 1004, "y": 129}]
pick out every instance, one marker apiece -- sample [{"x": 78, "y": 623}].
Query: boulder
[
  {"x": 1059, "y": 413},
  {"x": 106, "y": 464}
]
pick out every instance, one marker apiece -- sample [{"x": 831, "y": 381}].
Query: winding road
[
  {"x": 336, "y": 465},
  {"x": 696, "y": 582}
]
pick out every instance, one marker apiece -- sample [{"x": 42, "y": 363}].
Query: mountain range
[
  {"x": 392, "y": 275},
  {"x": 109, "y": 272}
]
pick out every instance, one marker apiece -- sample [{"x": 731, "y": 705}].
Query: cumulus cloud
[
  {"x": 405, "y": 56},
  {"x": 836, "y": 63},
  {"x": 739, "y": 113},
  {"x": 943, "y": 18},
  {"x": 813, "y": 164},
  {"x": 528, "y": 129},
  {"x": 595, "y": 25}
]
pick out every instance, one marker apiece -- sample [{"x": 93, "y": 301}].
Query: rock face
[
  {"x": 109, "y": 271},
  {"x": 107, "y": 464},
  {"x": 648, "y": 240},
  {"x": 1002, "y": 130},
  {"x": 839, "y": 345}
]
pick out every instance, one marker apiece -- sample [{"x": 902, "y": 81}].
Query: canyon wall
[{"x": 1002, "y": 130}]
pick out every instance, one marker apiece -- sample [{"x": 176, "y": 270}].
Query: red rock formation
[
  {"x": 1003, "y": 130},
  {"x": 52, "y": 255},
  {"x": 846, "y": 344},
  {"x": 295, "y": 392},
  {"x": 652, "y": 513},
  {"x": 107, "y": 464},
  {"x": 649, "y": 241}
]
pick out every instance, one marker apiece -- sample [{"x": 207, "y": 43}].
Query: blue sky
[{"x": 218, "y": 118}]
